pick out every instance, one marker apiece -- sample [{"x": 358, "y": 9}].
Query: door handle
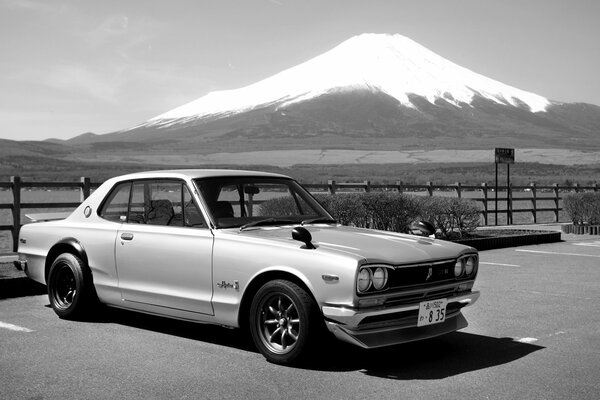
[{"x": 127, "y": 236}]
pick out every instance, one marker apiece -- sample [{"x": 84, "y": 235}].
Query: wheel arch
[
  {"x": 66, "y": 245},
  {"x": 257, "y": 282}
]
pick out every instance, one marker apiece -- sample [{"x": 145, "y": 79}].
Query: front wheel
[
  {"x": 284, "y": 322},
  {"x": 70, "y": 289}
]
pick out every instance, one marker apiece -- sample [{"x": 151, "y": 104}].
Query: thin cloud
[
  {"x": 79, "y": 79},
  {"x": 26, "y": 5}
]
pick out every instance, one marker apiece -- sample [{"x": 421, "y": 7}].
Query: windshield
[{"x": 258, "y": 201}]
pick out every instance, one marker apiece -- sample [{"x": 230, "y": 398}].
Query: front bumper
[{"x": 370, "y": 328}]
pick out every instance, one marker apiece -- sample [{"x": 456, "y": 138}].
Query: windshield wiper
[
  {"x": 266, "y": 221},
  {"x": 325, "y": 220}
]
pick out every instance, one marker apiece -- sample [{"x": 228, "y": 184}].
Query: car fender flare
[
  {"x": 65, "y": 245},
  {"x": 268, "y": 274}
]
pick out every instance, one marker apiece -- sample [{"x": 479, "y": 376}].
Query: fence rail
[{"x": 501, "y": 205}]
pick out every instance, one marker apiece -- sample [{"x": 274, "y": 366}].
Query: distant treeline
[{"x": 442, "y": 173}]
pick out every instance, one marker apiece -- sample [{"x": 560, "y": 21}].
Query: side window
[
  {"x": 165, "y": 203},
  {"x": 115, "y": 207},
  {"x": 137, "y": 210},
  {"x": 192, "y": 216}
]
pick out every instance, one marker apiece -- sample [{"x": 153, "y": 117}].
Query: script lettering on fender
[{"x": 226, "y": 285}]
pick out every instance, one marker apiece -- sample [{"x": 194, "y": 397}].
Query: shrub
[
  {"x": 384, "y": 211},
  {"x": 393, "y": 211},
  {"x": 396, "y": 212},
  {"x": 347, "y": 209},
  {"x": 278, "y": 206},
  {"x": 451, "y": 216},
  {"x": 583, "y": 208},
  {"x": 390, "y": 211}
]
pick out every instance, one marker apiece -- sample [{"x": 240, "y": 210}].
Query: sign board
[{"x": 505, "y": 156}]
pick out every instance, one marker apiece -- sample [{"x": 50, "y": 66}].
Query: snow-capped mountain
[
  {"x": 371, "y": 92},
  {"x": 390, "y": 64}
]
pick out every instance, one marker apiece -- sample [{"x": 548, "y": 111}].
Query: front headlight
[
  {"x": 466, "y": 266},
  {"x": 459, "y": 267},
  {"x": 364, "y": 280},
  {"x": 372, "y": 278},
  {"x": 380, "y": 277},
  {"x": 470, "y": 265}
]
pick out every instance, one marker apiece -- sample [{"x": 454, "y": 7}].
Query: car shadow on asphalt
[
  {"x": 208, "y": 333},
  {"x": 452, "y": 354},
  {"x": 449, "y": 355}
]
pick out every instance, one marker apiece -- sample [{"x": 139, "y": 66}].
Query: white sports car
[{"x": 247, "y": 250}]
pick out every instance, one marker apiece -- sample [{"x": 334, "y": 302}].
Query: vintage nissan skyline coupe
[{"x": 247, "y": 250}]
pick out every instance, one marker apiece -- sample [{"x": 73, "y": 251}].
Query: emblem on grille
[{"x": 429, "y": 274}]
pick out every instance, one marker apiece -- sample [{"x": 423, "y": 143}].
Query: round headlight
[
  {"x": 459, "y": 267},
  {"x": 364, "y": 280},
  {"x": 470, "y": 265},
  {"x": 380, "y": 278}
]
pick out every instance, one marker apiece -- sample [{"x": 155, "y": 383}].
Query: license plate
[{"x": 432, "y": 312}]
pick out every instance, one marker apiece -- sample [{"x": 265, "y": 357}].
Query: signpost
[{"x": 504, "y": 156}]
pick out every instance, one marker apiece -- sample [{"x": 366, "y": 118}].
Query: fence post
[
  {"x": 399, "y": 187},
  {"x": 509, "y": 214},
  {"x": 367, "y": 186},
  {"x": 485, "y": 203},
  {"x": 556, "y": 201},
  {"x": 16, "y": 210},
  {"x": 331, "y": 187},
  {"x": 430, "y": 188},
  {"x": 534, "y": 201},
  {"x": 84, "y": 190},
  {"x": 458, "y": 189}
]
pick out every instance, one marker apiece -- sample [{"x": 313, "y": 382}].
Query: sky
[{"x": 68, "y": 67}]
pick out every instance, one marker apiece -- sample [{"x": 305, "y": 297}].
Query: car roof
[{"x": 197, "y": 173}]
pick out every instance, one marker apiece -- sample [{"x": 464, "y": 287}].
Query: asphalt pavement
[{"x": 533, "y": 334}]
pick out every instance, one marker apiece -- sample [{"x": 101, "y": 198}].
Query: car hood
[{"x": 372, "y": 245}]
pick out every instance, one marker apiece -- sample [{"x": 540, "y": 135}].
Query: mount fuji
[{"x": 371, "y": 92}]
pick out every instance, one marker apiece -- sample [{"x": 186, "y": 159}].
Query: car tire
[
  {"x": 70, "y": 288},
  {"x": 284, "y": 322}
]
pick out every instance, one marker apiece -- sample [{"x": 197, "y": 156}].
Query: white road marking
[
  {"x": 11, "y": 327},
  {"x": 559, "y": 254},
  {"x": 500, "y": 264},
  {"x": 527, "y": 340},
  {"x": 588, "y": 244}
]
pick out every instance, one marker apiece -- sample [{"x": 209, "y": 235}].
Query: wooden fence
[{"x": 497, "y": 208}]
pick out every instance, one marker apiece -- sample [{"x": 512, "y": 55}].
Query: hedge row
[
  {"x": 583, "y": 208},
  {"x": 396, "y": 212}
]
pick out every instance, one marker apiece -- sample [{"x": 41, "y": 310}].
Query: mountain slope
[
  {"x": 394, "y": 65},
  {"x": 370, "y": 92}
]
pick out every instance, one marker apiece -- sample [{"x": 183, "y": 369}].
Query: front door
[{"x": 163, "y": 251}]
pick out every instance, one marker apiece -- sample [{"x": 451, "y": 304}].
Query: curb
[
  {"x": 581, "y": 229},
  {"x": 525, "y": 238}
]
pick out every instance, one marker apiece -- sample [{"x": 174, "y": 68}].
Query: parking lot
[{"x": 533, "y": 334}]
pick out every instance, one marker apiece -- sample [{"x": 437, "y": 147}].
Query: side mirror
[
  {"x": 424, "y": 227},
  {"x": 303, "y": 235}
]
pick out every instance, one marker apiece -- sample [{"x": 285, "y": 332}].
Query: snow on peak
[{"x": 393, "y": 64}]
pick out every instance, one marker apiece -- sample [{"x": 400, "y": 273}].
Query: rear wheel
[
  {"x": 284, "y": 322},
  {"x": 70, "y": 288}
]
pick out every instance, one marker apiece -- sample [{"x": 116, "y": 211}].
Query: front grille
[
  {"x": 422, "y": 294},
  {"x": 411, "y": 275}
]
